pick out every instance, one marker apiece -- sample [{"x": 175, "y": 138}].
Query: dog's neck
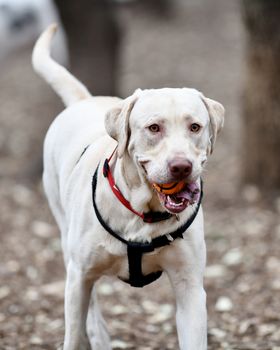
[
  {"x": 142, "y": 198},
  {"x": 134, "y": 185}
]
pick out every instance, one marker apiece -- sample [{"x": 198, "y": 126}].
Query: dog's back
[{"x": 81, "y": 124}]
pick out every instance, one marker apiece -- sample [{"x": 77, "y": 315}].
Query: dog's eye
[
  {"x": 154, "y": 128},
  {"x": 195, "y": 127}
]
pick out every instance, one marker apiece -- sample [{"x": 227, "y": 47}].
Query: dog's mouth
[{"x": 177, "y": 196}]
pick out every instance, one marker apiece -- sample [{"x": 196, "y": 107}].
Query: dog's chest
[{"x": 118, "y": 265}]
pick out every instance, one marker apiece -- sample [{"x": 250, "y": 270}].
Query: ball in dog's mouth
[{"x": 176, "y": 196}]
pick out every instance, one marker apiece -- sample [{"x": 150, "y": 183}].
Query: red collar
[{"x": 149, "y": 217}]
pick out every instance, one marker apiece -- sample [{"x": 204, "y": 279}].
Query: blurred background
[{"x": 229, "y": 50}]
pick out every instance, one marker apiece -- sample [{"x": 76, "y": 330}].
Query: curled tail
[{"x": 64, "y": 84}]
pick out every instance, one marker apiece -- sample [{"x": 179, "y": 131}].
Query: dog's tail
[{"x": 64, "y": 84}]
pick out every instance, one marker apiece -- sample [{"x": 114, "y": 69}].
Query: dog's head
[{"x": 168, "y": 134}]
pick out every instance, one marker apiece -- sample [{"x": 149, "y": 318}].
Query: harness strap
[
  {"x": 134, "y": 255},
  {"x": 135, "y": 250}
]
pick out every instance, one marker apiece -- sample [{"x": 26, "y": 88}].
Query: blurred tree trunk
[
  {"x": 161, "y": 8},
  {"x": 261, "y": 105},
  {"x": 93, "y": 38}
]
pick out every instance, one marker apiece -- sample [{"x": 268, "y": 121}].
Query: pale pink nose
[{"x": 180, "y": 168}]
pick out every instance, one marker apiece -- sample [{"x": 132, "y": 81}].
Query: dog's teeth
[{"x": 173, "y": 203}]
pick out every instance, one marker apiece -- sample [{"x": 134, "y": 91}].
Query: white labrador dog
[{"x": 119, "y": 224}]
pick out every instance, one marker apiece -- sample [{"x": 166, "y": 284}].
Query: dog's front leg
[
  {"x": 191, "y": 315},
  {"x": 96, "y": 326},
  {"x": 77, "y": 296},
  {"x": 191, "y": 318}
]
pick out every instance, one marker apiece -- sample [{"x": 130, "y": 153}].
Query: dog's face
[{"x": 168, "y": 133}]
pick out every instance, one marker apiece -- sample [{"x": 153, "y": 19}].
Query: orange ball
[{"x": 170, "y": 188}]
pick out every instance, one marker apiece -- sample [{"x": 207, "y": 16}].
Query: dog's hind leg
[
  {"x": 51, "y": 188},
  {"x": 96, "y": 326}
]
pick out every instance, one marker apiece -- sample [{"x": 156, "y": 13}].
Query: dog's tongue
[{"x": 190, "y": 193}]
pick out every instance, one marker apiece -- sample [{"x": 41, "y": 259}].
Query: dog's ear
[
  {"x": 117, "y": 122},
  {"x": 216, "y": 113}
]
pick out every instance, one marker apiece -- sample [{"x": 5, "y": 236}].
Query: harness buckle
[{"x": 169, "y": 237}]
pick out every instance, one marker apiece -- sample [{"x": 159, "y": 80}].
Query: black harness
[{"x": 135, "y": 250}]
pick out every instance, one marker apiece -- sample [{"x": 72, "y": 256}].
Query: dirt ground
[{"x": 200, "y": 45}]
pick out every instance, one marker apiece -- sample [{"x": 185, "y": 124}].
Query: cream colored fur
[{"x": 89, "y": 251}]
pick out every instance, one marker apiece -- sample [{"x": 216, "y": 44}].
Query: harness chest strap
[{"x": 135, "y": 250}]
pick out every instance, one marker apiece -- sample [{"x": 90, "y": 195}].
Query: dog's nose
[{"x": 180, "y": 168}]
